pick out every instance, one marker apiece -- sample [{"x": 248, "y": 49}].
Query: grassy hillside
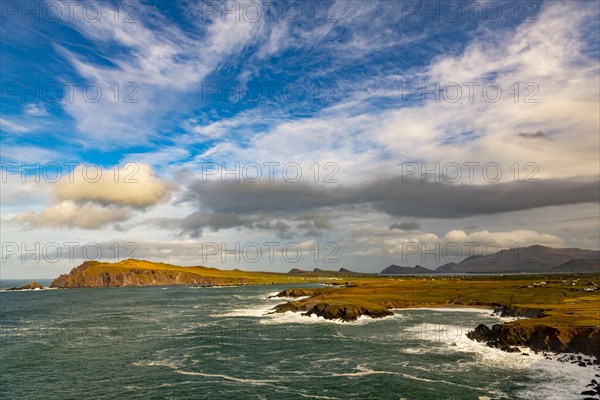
[{"x": 141, "y": 273}]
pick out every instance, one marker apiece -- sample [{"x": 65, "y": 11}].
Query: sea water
[{"x": 181, "y": 342}]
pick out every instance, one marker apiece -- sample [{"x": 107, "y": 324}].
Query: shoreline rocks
[
  {"x": 516, "y": 312},
  {"x": 539, "y": 337}
]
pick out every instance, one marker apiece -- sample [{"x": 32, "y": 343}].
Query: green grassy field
[{"x": 563, "y": 298}]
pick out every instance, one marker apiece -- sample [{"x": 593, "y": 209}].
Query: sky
[{"x": 278, "y": 135}]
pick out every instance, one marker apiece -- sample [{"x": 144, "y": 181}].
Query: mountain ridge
[{"x": 531, "y": 259}]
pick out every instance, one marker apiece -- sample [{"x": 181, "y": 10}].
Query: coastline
[{"x": 554, "y": 314}]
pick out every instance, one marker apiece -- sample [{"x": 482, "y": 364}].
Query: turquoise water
[{"x": 217, "y": 343}]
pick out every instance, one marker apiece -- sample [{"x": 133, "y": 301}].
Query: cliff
[
  {"x": 145, "y": 273},
  {"x": 86, "y": 275}
]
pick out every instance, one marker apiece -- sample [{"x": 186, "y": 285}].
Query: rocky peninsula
[{"x": 94, "y": 274}]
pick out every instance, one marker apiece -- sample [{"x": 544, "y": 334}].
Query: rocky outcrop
[
  {"x": 540, "y": 337},
  {"x": 31, "y": 286},
  {"x": 517, "y": 312},
  {"x": 297, "y": 293},
  {"x": 346, "y": 313},
  {"x": 333, "y": 311}
]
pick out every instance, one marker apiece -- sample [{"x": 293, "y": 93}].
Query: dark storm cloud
[
  {"x": 406, "y": 226},
  {"x": 285, "y": 225},
  {"x": 532, "y": 135},
  {"x": 194, "y": 223},
  {"x": 393, "y": 196}
]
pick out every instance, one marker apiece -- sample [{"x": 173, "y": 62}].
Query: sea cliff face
[{"x": 88, "y": 276}]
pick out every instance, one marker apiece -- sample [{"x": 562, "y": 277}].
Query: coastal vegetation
[{"x": 561, "y": 312}]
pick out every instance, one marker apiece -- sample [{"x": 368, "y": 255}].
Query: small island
[{"x": 31, "y": 286}]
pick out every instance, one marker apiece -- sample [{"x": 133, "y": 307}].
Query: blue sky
[{"x": 352, "y": 86}]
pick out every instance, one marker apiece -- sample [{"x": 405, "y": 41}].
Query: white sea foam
[
  {"x": 475, "y": 310},
  {"x": 286, "y": 299},
  {"x": 258, "y": 311},
  {"x": 553, "y": 379},
  {"x": 29, "y": 290},
  {"x": 361, "y": 370},
  {"x": 292, "y": 317},
  {"x": 226, "y": 377}
]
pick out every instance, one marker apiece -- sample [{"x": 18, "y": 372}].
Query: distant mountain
[
  {"x": 347, "y": 272},
  {"x": 399, "y": 270},
  {"x": 527, "y": 259},
  {"x": 297, "y": 271},
  {"x": 446, "y": 267},
  {"x": 325, "y": 272},
  {"x": 579, "y": 265}
]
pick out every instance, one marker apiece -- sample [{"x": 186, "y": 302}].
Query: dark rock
[
  {"x": 541, "y": 337},
  {"x": 346, "y": 312},
  {"x": 297, "y": 293}
]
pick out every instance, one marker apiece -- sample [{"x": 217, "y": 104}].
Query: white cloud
[
  {"x": 91, "y": 197},
  {"x": 35, "y": 110},
  {"x": 160, "y": 63},
  {"x": 70, "y": 214},
  {"x": 133, "y": 185},
  {"x": 13, "y": 127},
  {"x": 375, "y": 241}
]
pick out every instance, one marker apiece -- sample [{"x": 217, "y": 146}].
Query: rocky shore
[
  {"x": 507, "y": 336},
  {"x": 539, "y": 337}
]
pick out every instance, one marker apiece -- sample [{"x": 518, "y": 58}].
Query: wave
[{"x": 553, "y": 379}]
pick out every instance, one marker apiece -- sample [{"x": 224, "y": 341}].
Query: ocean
[{"x": 184, "y": 342}]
